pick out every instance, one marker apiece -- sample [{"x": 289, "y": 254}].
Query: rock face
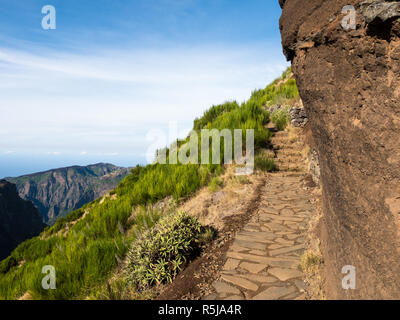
[
  {"x": 349, "y": 82},
  {"x": 19, "y": 219},
  {"x": 58, "y": 192}
]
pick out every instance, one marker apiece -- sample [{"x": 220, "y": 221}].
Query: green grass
[
  {"x": 264, "y": 164},
  {"x": 215, "y": 184},
  {"x": 273, "y": 95},
  {"x": 240, "y": 180},
  {"x": 213, "y": 113},
  {"x": 86, "y": 255}
]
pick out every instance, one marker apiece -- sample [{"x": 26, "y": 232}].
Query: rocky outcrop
[
  {"x": 57, "y": 192},
  {"x": 349, "y": 80},
  {"x": 298, "y": 116},
  {"x": 297, "y": 113},
  {"x": 19, "y": 219}
]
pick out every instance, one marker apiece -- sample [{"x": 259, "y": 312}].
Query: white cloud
[{"x": 106, "y": 103}]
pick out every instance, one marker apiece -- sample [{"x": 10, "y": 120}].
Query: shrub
[
  {"x": 309, "y": 261},
  {"x": 160, "y": 253},
  {"x": 281, "y": 118},
  {"x": 264, "y": 164}
]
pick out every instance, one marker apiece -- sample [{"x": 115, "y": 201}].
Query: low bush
[
  {"x": 160, "y": 253},
  {"x": 280, "y": 118},
  {"x": 264, "y": 164},
  {"x": 309, "y": 261}
]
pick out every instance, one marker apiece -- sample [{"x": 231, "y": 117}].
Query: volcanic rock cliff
[
  {"x": 349, "y": 80},
  {"x": 57, "y": 192},
  {"x": 19, "y": 219}
]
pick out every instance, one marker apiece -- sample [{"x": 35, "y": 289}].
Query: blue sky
[{"x": 113, "y": 71}]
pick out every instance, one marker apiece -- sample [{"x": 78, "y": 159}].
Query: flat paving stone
[
  {"x": 253, "y": 267},
  {"x": 233, "y": 298},
  {"x": 284, "y": 241},
  {"x": 212, "y": 296},
  {"x": 260, "y": 235},
  {"x": 259, "y": 278},
  {"x": 258, "y": 253},
  {"x": 274, "y": 293},
  {"x": 249, "y": 245},
  {"x": 238, "y": 248},
  {"x": 283, "y": 262},
  {"x": 292, "y": 296},
  {"x": 280, "y": 218},
  {"x": 276, "y": 246},
  {"x": 222, "y": 287},
  {"x": 231, "y": 264},
  {"x": 300, "y": 285},
  {"x": 285, "y": 274},
  {"x": 240, "y": 282},
  {"x": 255, "y": 239},
  {"x": 286, "y": 250}
]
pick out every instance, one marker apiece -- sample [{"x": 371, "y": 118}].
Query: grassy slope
[{"x": 85, "y": 255}]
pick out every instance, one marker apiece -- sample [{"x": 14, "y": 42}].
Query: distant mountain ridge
[
  {"x": 19, "y": 219},
  {"x": 57, "y": 192}
]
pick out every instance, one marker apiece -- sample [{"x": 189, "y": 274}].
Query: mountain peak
[{"x": 59, "y": 191}]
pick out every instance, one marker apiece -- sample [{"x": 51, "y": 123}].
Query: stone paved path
[{"x": 263, "y": 261}]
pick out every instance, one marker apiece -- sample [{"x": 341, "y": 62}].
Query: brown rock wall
[{"x": 349, "y": 82}]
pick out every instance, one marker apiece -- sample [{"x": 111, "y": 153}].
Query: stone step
[
  {"x": 290, "y": 169},
  {"x": 281, "y": 134},
  {"x": 285, "y": 143},
  {"x": 288, "y": 165},
  {"x": 288, "y": 160},
  {"x": 288, "y": 174},
  {"x": 285, "y": 152},
  {"x": 299, "y": 162},
  {"x": 286, "y": 147}
]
